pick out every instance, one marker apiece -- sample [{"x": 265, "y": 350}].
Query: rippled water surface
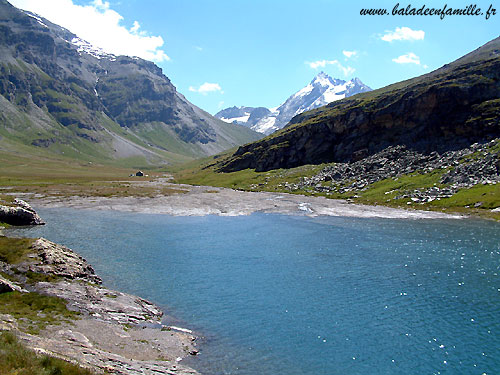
[{"x": 276, "y": 294}]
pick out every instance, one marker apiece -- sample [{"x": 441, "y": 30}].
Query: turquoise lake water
[{"x": 276, "y": 294}]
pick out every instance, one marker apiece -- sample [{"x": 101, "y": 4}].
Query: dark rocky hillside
[
  {"x": 59, "y": 94},
  {"x": 448, "y": 109}
]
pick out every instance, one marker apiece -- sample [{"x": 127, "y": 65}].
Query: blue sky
[{"x": 257, "y": 53}]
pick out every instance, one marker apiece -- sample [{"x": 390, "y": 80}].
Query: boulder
[{"x": 19, "y": 216}]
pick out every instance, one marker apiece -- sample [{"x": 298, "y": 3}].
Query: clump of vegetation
[
  {"x": 34, "y": 311},
  {"x": 14, "y": 250},
  {"x": 15, "y": 359},
  {"x": 35, "y": 277}
]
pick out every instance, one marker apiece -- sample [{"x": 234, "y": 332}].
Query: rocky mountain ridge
[
  {"x": 60, "y": 94},
  {"x": 322, "y": 90},
  {"x": 247, "y": 116}
]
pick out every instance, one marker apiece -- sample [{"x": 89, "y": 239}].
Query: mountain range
[
  {"x": 61, "y": 95},
  {"x": 447, "y": 109},
  {"x": 322, "y": 90}
]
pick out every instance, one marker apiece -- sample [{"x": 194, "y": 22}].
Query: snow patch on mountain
[
  {"x": 237, "y": 120},
  {"x": 266, "y": 125},
  {"x": 38, "y": 19},
  {"x": 86, "y": 47}
]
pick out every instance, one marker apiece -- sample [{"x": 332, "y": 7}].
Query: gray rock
[
  {"x": 61, "y": 261},
  {"x": 115, "y": 332},
  {"x": 19, "y": 216}
]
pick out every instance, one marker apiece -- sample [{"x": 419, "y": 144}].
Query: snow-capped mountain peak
[
  {"x": 322, "y": 90},
  {"x": 323, "y": 79}
]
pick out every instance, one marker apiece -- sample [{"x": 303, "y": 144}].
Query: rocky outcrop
[
  {"x": 20, "y": 214},
  {"x": 445, "y": 110},
  {"x": 58, "y": 260},
  {"x": 117, "y": 332}
]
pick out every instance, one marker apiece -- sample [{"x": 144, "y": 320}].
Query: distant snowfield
[
  {"x": 203, "y": 200},
  {"x": 237, "y": 119},
  {"x": 266, "y": 125}
]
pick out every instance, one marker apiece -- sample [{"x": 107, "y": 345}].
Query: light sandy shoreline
[{"x": 203, "y": 200}]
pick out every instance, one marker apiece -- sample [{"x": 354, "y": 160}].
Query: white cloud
[
  {"x": 347, "y": 70},
  {"x": 350, "y": 54},
  {"x": 99, "y": 25},
  {"x": 320, "y": 63},
  {"x": 206, "y": 88},
  {"x": 134, "y": 29},
  {"x": 198, "y": 48},
  {"x": 403, "y": 33},
  {"x": 409, "y": 58},
  {"x": 221, "y": 104}
]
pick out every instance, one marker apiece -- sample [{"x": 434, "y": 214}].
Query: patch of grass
[
  {"x": 4, "y": 226},
  {"x": 376, "y": 192},
  {"x": 7, "y": 276},
  {"x": 35, "y": 277},
  {"x": 14, "y": 250},
  {"x": 15, "y": 359},
  {"x": 64, "y": 179},
  {"x": 485, "y": 196},
  {"x": 35, "y": 311}
]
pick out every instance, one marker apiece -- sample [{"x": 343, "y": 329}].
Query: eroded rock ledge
[{"x": 115, "y": 332}]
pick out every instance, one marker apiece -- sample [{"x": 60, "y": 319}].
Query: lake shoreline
[{"x": 205, "y": 200}]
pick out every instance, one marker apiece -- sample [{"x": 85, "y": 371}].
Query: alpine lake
[{"x": 288, "y": 294}]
